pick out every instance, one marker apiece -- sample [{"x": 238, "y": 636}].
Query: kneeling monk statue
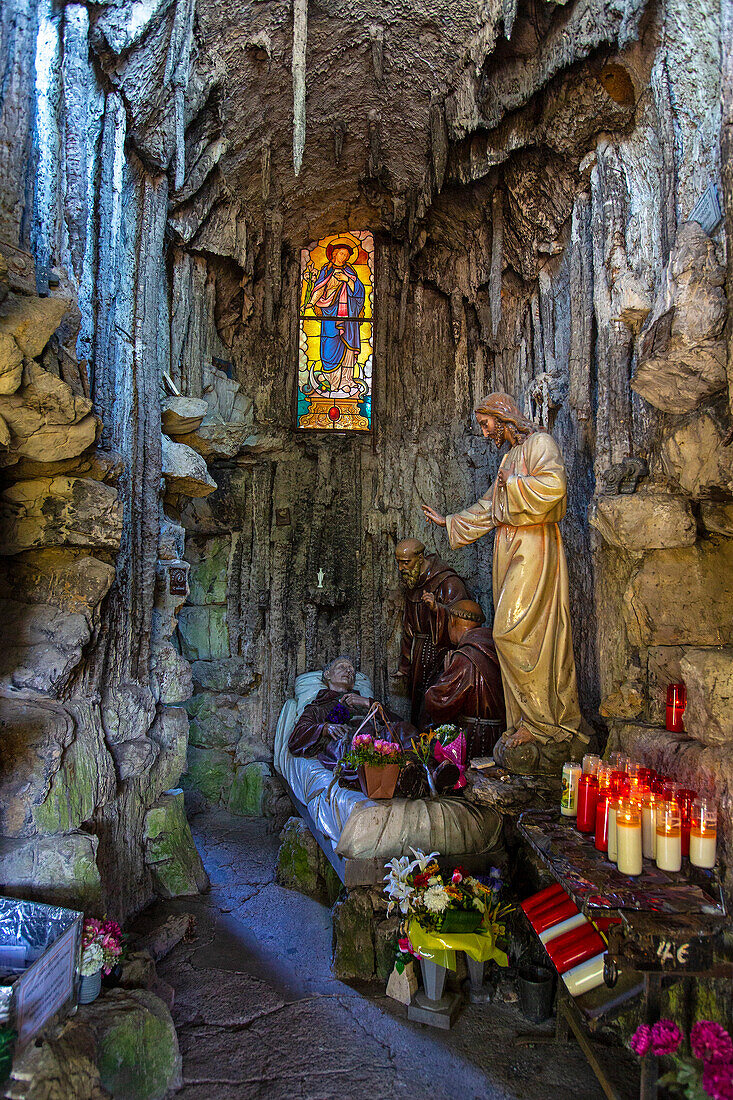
[
  {"x": 531, "y": 599},
  {"x": 469, "y": 692}
]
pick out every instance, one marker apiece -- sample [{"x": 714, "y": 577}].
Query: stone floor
[{"x": 259, "y": 1014}]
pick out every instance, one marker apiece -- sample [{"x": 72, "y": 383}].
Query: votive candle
[
  {"x": 613, "y": 804},
  {"x": 620, "y": 761},
  {"x": 587, "y": 802},
  {"x": 703, "y": 833},
  {"x": 571, "y": 773},
  {"x": 649, "y": 804},
  {"x": 676, "y": 703},
  {"x": 601, "y": 837},
  {"x": 605, "y": 771},
  {"x": 628, "y": 837},
  {"x": 591, "y": 764},
  {"x": 669, "y": 837},
  {"x": 684, "y": 799}
]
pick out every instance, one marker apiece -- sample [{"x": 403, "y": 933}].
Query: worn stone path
[{"x": 259, "y": 1014}]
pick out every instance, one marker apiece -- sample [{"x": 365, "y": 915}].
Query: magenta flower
[
  {"x": 456, "y": 877},
  {"x": 666, "y": 1037},
  {"x": 641, "y": 1040},
  {"x": 710, "y": 1042},
  {"x": 717, "y": 1080}
]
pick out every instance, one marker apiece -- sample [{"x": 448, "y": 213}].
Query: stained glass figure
[{"x": 335, "y": 345}]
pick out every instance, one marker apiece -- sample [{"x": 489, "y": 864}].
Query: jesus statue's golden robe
[{"x": 531, "y": 600}]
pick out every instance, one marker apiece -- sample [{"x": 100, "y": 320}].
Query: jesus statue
[{"x": 530, "y": 580}]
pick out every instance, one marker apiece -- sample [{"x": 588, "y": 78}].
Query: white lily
[{"x": 421, "y": 860}]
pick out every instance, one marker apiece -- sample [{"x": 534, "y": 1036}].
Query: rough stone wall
[{"x": 91, "y": 573}]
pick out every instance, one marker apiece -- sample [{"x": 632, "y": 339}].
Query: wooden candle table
[{"x": 668, "y": 924}]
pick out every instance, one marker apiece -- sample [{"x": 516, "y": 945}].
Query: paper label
[{"x": 45, "y": 986}]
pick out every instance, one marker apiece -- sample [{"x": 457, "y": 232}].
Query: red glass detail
[
  {"x": 587, "y": 801},
  {"x": 684, "y": 799},
  {"x": 676, "y": 703},
  {"x": 601, "y": 842},
  {"x": 334, "y": 413}
]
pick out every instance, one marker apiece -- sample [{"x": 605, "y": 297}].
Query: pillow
[{"x": 308, "y": 684}]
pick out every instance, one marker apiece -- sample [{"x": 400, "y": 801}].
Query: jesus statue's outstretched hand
[{"x": 432, "y": 516}]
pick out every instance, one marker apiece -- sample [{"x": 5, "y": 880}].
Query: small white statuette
[{"x": 321, "y": 575}]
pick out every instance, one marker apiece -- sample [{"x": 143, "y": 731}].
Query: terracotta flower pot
[{"x": 378, "y": 782}]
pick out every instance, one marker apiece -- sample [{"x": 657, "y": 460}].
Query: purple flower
[
  {"x": 666, "y": 1037},
  {"x": 641, "y": 1040},
  {"x": 339, "y": 715},
  {"x": 717, "y": 1080},
  {"x": 711, "y": 1042}
]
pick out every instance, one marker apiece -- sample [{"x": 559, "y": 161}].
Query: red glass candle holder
[
  {"x": 676, "y": 703},
  {"x": 619, "y": 784},
  {"x": 601, "y": 839},
  {"x": 684, "y": 798},
  {"x": 587, "y": 802}
]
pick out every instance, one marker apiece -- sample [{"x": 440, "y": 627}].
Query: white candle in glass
[
  {"x": 612, "y": 839},
  {"x": 649, "y": 825},
  {"x": 669, "y": 837},
  {"x": 571, "y": 773},
  {"x": 628, "y": 838},
  {"x": 703, "y": 833}
]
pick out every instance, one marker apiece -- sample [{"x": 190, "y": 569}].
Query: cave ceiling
[{"x": 399, "y": 99}]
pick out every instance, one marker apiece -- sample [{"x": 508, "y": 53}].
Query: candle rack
[{"x": 669, "y": 925}]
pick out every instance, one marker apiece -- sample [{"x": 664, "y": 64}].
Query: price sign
[{"x": 681, "y": 955}]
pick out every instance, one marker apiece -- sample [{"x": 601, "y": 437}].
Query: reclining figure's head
[{"x": 340, "y": 674}]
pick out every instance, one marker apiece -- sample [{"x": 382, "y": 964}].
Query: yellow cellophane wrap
[{"x": 441, "y": 949}]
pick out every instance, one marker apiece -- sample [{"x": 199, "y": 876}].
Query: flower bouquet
[
  {"x": 457, "y": 906},
  {"x": 101, "y": 946},
  {"x": 709, "y": 1076},
  {"x": 377, "y": 761},
  {"x": 450, "y": 744}
]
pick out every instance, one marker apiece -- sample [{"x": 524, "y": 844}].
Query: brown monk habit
[
  {"x": 470, "y": 687},
  {"x": 423, "y": 649}
]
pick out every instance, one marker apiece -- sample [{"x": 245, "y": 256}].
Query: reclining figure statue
[{"x": 327, "y": 725}]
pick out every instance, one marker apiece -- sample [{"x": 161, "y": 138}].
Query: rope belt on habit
[
  {"x": 428, "y": 653},
  {"x": 479, "y": 724},
  {"x": 481, "y": 734}
]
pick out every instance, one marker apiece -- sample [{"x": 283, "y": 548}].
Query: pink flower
[
  {"x": 394, "y": 747},
  {"x": 711, "y": 1042},
  {"x": 717, "y": 1080},
  {"x": 456, "y": 877},
  {"x": 641, "y": 1040},
  {"x": 666, "y": 1037}
]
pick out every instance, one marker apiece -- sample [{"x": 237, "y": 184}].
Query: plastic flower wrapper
[{"x": 91, "y": 959}]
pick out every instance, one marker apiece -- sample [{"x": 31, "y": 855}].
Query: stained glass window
[{"x": 335, "y": 363}]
